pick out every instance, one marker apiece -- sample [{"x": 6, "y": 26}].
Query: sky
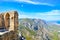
[{"x": 48, "y": 10}]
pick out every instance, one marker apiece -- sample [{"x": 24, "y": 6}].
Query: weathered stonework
[{"x": 8, "y": 25}]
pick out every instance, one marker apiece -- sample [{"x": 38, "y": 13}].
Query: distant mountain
[
  {"x": 53, "y": 26},
  {"x": 37, "y": 28},
  {"x": 33, "y": 24}
]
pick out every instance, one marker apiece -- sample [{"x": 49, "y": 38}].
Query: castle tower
[
  {"x": 9, "y": 23},
  {"x": 11, "y": 20}
]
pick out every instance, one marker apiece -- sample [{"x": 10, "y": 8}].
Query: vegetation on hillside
[{"x": 26, "y": 32}]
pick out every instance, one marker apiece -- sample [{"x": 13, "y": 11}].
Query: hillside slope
[{"x": 37, "y": 29}]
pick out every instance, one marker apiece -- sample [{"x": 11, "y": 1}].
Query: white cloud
[
  {"x": 30, "y": 1},
  {"x": 26, "y": 16},
  {"x": 36, "y": 3},
  {"x": 53, "y": 15}
]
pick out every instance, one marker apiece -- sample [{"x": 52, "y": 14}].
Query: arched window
[{"x": 7, "y": 20}]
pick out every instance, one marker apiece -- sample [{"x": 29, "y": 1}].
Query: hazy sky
[{"x": 43, "y": 9}]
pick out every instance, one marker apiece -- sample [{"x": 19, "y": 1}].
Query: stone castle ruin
[{"x": 9, "y": 25}]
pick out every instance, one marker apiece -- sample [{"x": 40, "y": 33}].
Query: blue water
[{"x": 58, "y": 22}]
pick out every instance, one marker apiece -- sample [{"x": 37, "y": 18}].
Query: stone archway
[{"x": 7, "y": 21}]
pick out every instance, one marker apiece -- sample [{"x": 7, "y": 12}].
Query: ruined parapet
[{"x": 8, "y": 25}]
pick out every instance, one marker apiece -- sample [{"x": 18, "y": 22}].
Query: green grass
[{"x": 55, "y": 36}]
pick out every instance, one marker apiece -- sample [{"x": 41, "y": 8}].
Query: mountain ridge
[{"x": 37, "y": 27}]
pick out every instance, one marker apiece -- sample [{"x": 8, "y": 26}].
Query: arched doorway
[{"x": 7, "y": 21}]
